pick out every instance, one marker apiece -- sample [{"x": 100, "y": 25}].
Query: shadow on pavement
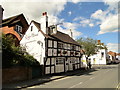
[{"x": 48, "y": 78}]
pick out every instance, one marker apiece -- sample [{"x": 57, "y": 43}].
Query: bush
[{"x": 14, "y": 56}]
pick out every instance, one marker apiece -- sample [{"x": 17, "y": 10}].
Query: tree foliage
[
  {"x": 89, "y": 45},
  {"x": 13, "y": 55}
]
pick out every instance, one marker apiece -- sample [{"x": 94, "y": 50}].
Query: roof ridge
[{"x": 13, "y": 16}]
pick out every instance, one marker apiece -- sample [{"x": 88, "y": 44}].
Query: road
[{"x": 106, "y": 77}]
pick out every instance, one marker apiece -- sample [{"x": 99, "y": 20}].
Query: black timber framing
[
  {"x": 65, "y": 56},
  {"x": 50, "y": 65},
  {"x": 64, "y": 65}
]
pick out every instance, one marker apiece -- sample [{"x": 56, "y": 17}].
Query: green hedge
[{"x": 14, "y": 56}]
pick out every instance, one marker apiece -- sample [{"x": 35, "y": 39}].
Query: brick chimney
[
  {"x": 44, "y": 23},
  {"x": 99, "y": 42}
]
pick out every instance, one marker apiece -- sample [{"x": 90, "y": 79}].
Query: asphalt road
[{"x": 106, "y": 77}]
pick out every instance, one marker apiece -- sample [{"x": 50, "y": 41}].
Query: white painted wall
[
  {"x": 43, "y": 23},
  {"x": 34, "y": 42},
  {"x": 99, "y": 58},
  {"x": 118, "y": 56},
  {"x": 83, "y": 61}
]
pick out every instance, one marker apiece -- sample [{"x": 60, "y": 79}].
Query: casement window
[
  {"x": 65, "y": 46},
  {"x": 77, "y": 48},
  {"x": 59, "y": 61},
  {"x": 55, "y": 44},
  {"x": 102, "y": 54},
  {"x": 18, "y": 29},
  {"x": 49, "y": 43},
  {"x": 60, "y": 45},
  {"x": 68, "y": 46},
  {"x": 31, "y": 28},
  {"x": 72, "y": 47}
]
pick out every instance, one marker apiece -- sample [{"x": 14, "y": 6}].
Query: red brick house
[{"x": 15, "y": 26}]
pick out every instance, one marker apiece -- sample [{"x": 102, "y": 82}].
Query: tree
[
  {"x": 88, "y": 45},
  {"x": 13, "y": 55}
]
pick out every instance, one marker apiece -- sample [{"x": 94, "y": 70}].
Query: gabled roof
[
  {"x": 58, "y": 36},
  {"x": 112, "y": 53},
  {"x": 118, "y": 54},
  {"x": 12, "y": 20},
  {"x": 39, "y": 28},
  {"x": 64, "y": 37}
]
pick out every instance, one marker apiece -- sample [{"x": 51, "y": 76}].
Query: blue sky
[
  {"x": 97, "y": 20},
  {"x": 85, "y": 9}
]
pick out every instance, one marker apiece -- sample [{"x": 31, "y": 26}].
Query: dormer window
[
  {"x": 18, "y": 29},
  {"x": 52, "y": 29}
]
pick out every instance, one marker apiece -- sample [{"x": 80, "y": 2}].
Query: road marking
[
  {"x": 62, "y": 78},
  {"x": 118, "y": 87},
  {"x": 75, "y": 85},
  {"x": 107, "y": 71},
  {"x": 92, "y": 78}
]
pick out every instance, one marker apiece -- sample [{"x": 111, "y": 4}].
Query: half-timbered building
[{"x": 56, "y": 51}]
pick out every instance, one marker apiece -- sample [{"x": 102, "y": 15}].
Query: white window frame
[{"x": 18, "y": 28}]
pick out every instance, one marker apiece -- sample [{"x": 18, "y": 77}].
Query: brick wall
[
  {"x": 16, "y": 74},
  {"x": 10, "y": 30}
]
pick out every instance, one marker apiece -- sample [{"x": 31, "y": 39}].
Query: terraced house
[{"x": 56, "y": 51}]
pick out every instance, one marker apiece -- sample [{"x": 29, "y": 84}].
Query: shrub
[{"x": 14, "y": 56}]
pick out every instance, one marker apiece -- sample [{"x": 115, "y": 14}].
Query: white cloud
[
  {"x": 78, "y": 18},
  {"x": 32, "y": 10},
  {"x": 113, "y": 47},
  {"x": 91, "y": 25},
  {"x": 75, "y": 1},
  {"x": 108, "y": 19},
  {"x": 84, "y": 21},
  {"x": 109, "y": 25},
  {"x": 99, "y": 14},
  {"x": 66, "y": 29},
  {"x": 69, "y": 13}
]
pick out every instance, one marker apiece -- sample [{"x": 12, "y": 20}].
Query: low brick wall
[{"x": 16, "y": 74}]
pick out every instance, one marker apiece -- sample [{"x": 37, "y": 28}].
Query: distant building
[
  {"x": 112, "y": 56},
  {"x": 118, "y": 56},
  {"x": 101, "y": 56},
  {"x": 15, "y": 26},
  {"x": 55, "y": 51}
]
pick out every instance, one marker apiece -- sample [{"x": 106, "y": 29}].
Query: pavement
[
  {"x": 48, "y": 78},
  {"x": 41, "y": 80}
]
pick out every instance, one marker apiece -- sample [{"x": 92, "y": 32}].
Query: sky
[{"x": 97, "y": 19}]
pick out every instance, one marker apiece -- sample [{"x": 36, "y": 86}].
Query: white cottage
[
  {"x": 56, "y": 51},
  {"x": 101, "y": 57}
]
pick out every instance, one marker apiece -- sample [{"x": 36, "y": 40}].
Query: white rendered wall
[
  {"x": 98, "y": 58},
  {"x": 43, "y": 23},
  {"x": 83, "y": 61},
  {"x": 118, "y": 57},
  {"x": 34, "y": 42}
]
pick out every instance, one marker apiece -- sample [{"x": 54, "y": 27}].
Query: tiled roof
[
  {"x": 64, "y": 37},
  {"x": 38, "y": 26},
  {"x": 118, "y": 54},
  {"x": 112, "y": 53},
  {"x": 11, "y": 20},
  {"x": 58, "y": 36}
]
